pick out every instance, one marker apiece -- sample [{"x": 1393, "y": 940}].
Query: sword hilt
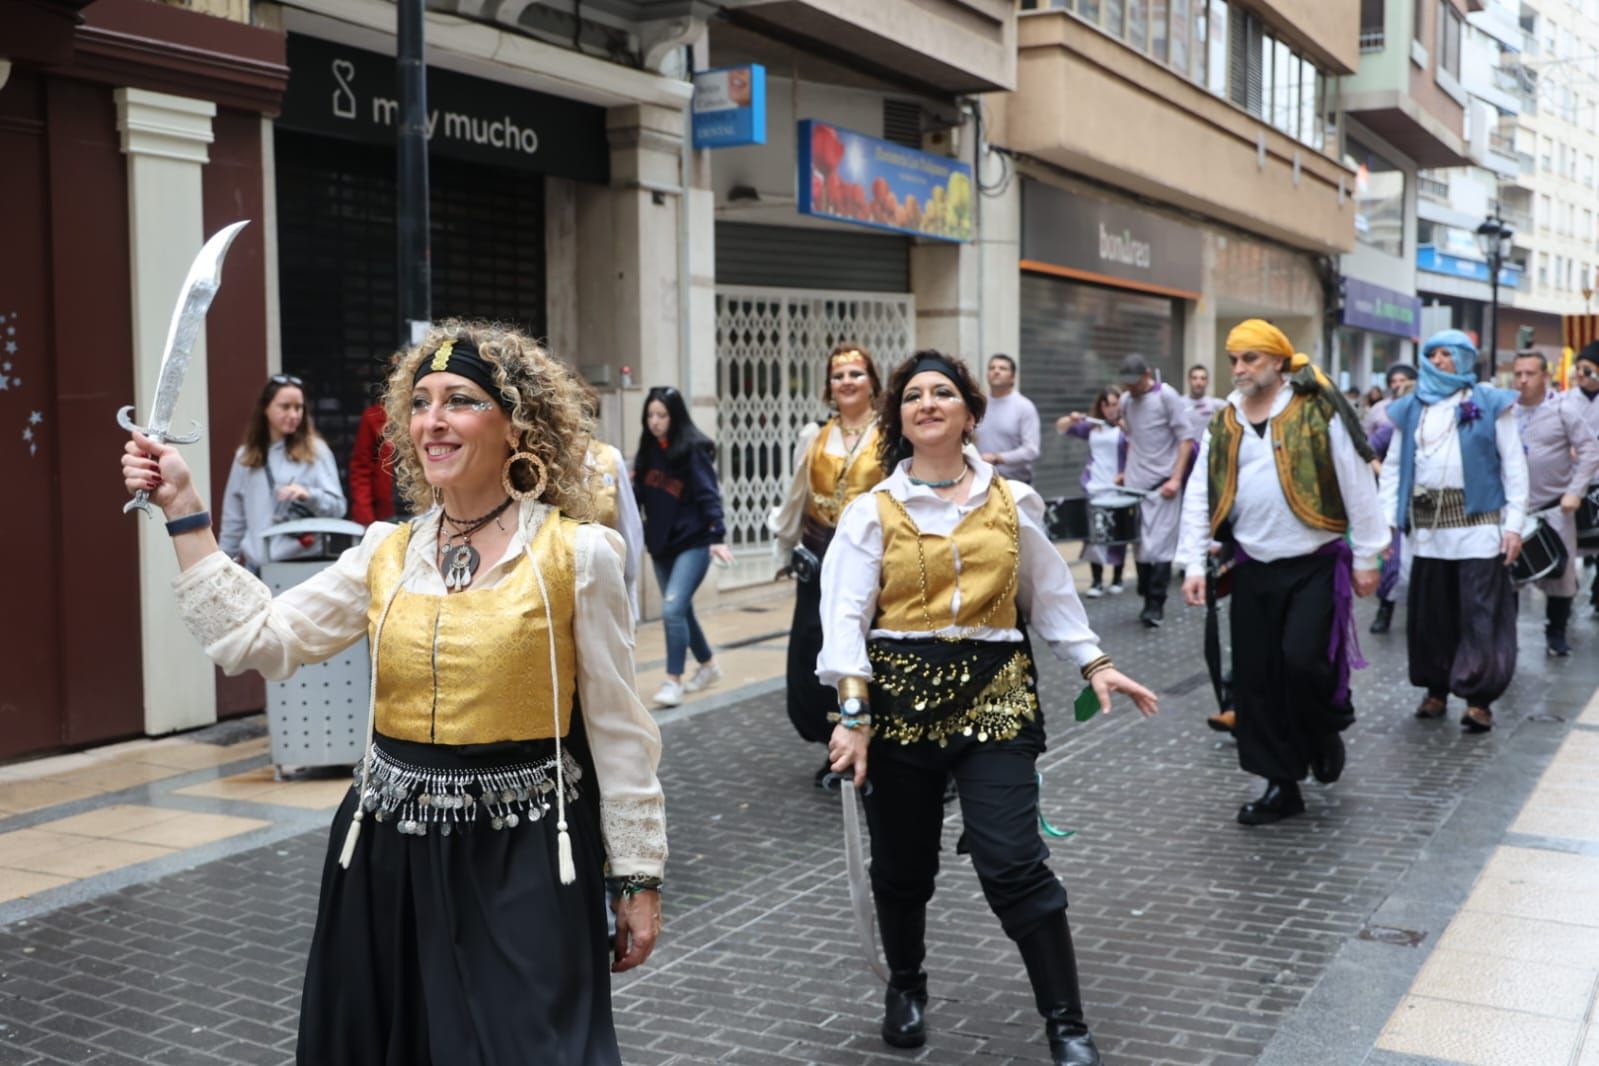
[{"x": 141, "y": 498}]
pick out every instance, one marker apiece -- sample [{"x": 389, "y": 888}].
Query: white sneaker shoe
[
  {"x": 670, "y": 694},
  {"x": 707, "y": 675},
  {"x": 1094, "y": 592},
  {"x": 1116, "y": 590}
]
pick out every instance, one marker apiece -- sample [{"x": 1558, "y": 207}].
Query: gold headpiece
[
  {"x": 851, "y": 355},
  {"x": 441, "y": 358}
]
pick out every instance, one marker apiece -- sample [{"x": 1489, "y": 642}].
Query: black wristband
[{"x": 189, "y": 523}]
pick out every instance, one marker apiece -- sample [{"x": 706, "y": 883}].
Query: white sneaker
[
  {"x": 670, "y": 694},
  {"x": 1116, "y": 590},
  {"x": 707, "y": 675},
  {"x": 1094, "y": 592}
]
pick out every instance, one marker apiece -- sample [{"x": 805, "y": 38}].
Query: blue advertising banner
[
  {"x": 1433, "y": 261},
  {"x": 1372, "y": 307},
  {"x": 730, "y": 107},
  {"x": 851, "y": 177}
]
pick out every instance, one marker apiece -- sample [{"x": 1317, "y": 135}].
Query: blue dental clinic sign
[
  {"x": 349, "y": 93},
  {"x": 730, "y": 107},
  {"x": 850, "y": 177},
  {"x": 1372, "y": 307}
]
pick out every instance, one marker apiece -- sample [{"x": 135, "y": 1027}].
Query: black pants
[
  {"x": 809, "y": 701},
  {"x": 1283, "y": 681},
  {"x": 999, "y": 804},
  {"x": 1461, "y": 628}
]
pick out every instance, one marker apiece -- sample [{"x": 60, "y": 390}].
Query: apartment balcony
[
  {"x": 1397, "y": 95},
  {"x": 1078, "y": 94}
]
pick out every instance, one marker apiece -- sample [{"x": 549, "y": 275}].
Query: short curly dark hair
[{"x": 892, "y": 447}]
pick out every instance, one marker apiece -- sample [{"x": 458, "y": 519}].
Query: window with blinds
[
  {"x": 1073, "y": 336},
  {"x": 336, "y": 277}
]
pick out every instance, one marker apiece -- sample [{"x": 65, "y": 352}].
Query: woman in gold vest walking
[
  {"x": 926, "y": 591},
  {"x": 508, "y": 760},
  {"x": 835, "y": 462}
]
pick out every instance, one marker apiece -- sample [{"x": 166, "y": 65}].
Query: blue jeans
[{"x": 679, "y": 576}]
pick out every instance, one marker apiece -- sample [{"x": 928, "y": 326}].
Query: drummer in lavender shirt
[
  {"x": 1007, "y": 436},
  {"x": 1160, "y": 438}
]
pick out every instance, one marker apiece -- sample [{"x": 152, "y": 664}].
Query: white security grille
[{"x": 771, "y": 347}]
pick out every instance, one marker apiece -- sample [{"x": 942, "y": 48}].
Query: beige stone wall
[
  {"x": 1329, "y": 29},
  {"x": 1080, "y": 93},
  {"x": 233, "y": 10}
]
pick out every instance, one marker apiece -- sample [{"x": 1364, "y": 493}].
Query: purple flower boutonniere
[{"x": 1468, "y": 412}]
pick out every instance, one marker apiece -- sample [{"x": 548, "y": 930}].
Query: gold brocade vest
[
  {"x": 605, "y": 483},
  {"x": 474, "y": 667},
  {"x": 1302, "y": 449},
  {"x": 832, "y": 484},
  {"x": 919, "y": 578}
]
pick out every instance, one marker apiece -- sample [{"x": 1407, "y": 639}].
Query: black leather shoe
[
  {"x": 1151, "y": 616},
  {"x": 1071, "y": 1044},
  {"x": 1280, "y": 800},
  {"x": 1477, "y": 720},
  {"x": 905, "y": 1009},
  {"x": 1327, "y": 765},
  {"x": 1385, "y": 617}
]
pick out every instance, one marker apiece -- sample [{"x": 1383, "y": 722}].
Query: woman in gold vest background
[
  {"x": 462, "y": 915},
  {"x": 929, "y": 590},
  {"x": 835, "y": 462}
]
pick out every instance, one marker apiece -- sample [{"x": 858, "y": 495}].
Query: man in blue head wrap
[{"x": 1457, "y": 485}]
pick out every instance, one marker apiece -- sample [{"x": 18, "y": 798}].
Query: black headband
[
  {"x": 934, "y": 361},
  {"x": 459, "y": 355}
]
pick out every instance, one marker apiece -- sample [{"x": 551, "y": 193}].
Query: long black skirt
[{"x": 462, "y": 949}]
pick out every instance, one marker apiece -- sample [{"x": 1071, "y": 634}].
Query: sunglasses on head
[
  {"x": 286, "y": 379},
  {"x": 1587, "y": 372}
]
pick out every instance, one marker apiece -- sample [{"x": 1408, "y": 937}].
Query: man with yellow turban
[
  {"x": 1457, "y": 485},
  {"x": 1282, "y": 482}
]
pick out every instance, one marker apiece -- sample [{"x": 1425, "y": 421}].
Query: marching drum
[
  {"x": 1113, "y": 519},
  {"x": 1588, "y": 520},
  {"x": 1543, "y": 555},
  {"x": 1066, "y": 518}
]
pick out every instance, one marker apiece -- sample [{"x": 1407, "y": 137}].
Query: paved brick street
[{"x": 1198, "y": 939}]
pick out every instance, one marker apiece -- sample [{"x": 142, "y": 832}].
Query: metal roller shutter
[
  {"x": 795, "y": 258},
  {"x": 1073, "y": 338}
]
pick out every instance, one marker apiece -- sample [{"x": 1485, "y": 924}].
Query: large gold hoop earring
[{"x": 539, "y": 481}]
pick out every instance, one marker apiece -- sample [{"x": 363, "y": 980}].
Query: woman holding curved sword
[{"x": 924, "y": 589}]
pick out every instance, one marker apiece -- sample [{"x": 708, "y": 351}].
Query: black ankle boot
[
  {"x": 1385, "y": 616},
  {"x": 1143, "y": 581},
  {"x": 905, "y": 1009},
  {"x": 1052, "y": 969},
  {"x": 904, "y": 930},
  {"x": 1280, "y": 800},
  {"x": 1554, "y": 630}
]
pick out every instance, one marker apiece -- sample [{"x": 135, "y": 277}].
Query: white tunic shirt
[
  {"x": 1437, "y": 457},
  {"x": 242, "y": 626},
  {"x": 852, "y": 569},
  {"x": 1265, "y": 527}
]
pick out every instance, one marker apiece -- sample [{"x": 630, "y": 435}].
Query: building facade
[{"x": 1173, "y": 168}]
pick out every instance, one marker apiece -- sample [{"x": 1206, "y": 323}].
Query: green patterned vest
[{"x": 1302, "y": 448}]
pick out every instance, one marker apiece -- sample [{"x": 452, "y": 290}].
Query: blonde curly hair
[{"x": 546, "y": 406}]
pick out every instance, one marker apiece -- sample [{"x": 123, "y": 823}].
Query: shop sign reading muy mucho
[{"x": 350, "y": 94}]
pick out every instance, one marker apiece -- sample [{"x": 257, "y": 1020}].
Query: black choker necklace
[{"x": 461, "y": 559}]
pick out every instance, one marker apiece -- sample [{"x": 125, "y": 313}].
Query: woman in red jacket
[{"x": 371, "y": 470}]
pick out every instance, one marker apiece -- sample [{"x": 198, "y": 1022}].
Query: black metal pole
[
  {"x": 414, "y": 263},
  {"x": 1493, "y": 329}
]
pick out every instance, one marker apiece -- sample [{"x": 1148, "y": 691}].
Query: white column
[{"x": 165, "y": 139}]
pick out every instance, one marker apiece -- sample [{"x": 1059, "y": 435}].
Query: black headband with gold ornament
[{"x": 459, "y": 355}]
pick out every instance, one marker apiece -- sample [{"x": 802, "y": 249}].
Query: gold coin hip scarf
[{"x": 935, "y": 690}]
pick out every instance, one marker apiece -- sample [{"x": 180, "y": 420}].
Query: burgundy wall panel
[
  {"x": 102, "y": 677},
  {"x": 236, "y": 358}
]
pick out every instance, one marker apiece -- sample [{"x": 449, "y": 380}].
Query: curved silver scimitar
[{"x": 188, "y": 316}]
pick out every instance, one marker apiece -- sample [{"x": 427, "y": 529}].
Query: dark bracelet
[
  {"x": 189, "y": 523},
  {"x": 633, "y": 884}
]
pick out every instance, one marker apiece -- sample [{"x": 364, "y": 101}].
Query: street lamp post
[{"x": 1493, "y": 240}]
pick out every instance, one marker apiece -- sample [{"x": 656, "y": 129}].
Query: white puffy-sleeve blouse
[{"x": 242, "y": 626}]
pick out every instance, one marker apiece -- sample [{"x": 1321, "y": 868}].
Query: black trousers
[
  {"x": 1283, "y": 682},
  {"x": 999, "y": 804},
  {"x": 809, "y": 701},
  {"x": 1461, "y": 628}
]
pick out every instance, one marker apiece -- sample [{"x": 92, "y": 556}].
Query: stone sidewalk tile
[{"x": 1197, "y": 938}]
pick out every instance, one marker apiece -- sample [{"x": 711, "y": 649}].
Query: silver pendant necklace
[{"x": 457, "y": 558}]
